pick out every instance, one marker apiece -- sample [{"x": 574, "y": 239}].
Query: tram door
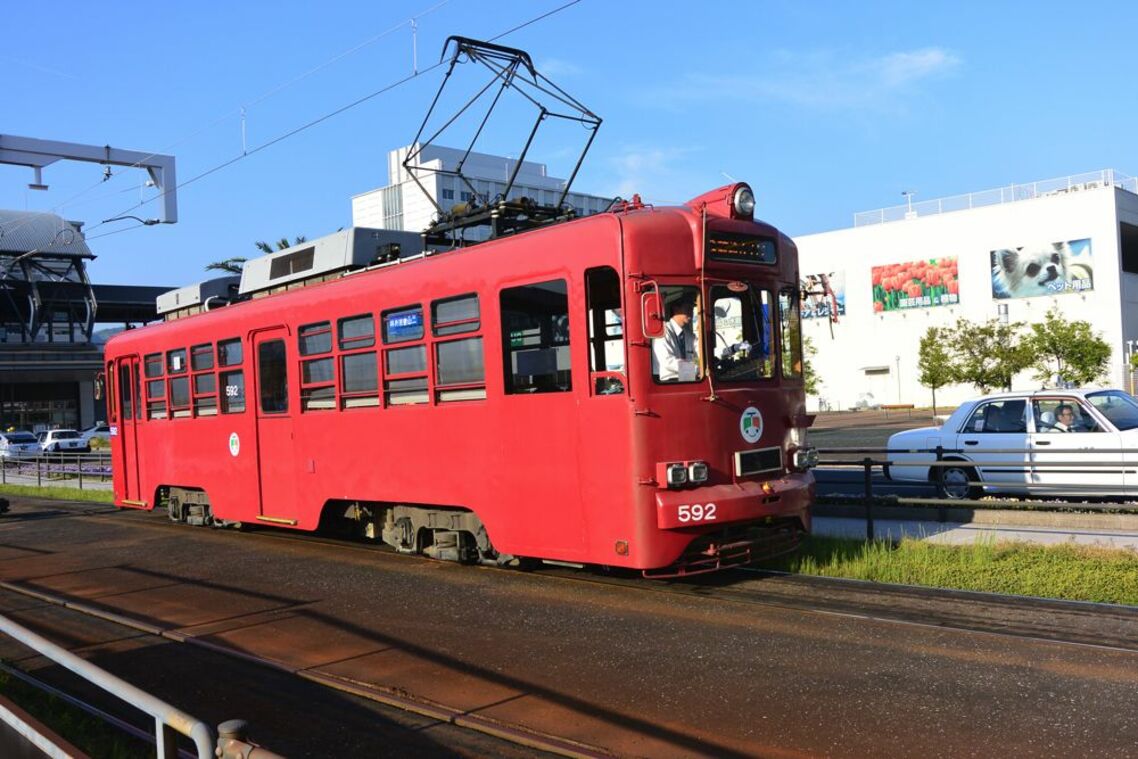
[
  {"x": 275, "y": 451},
  {"x": 130, "y": 411}
]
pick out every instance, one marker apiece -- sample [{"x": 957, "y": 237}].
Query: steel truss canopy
[{"x": 36, "y": 153}]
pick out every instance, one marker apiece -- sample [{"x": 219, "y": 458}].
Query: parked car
[
  {"x": 18, "y": 445},
  {"x": 100, "y": 430},
  {"x": 1018, "y": 443},
  {"x": 55, "y": 441}
]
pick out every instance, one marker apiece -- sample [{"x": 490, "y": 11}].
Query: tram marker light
[
  {"x": 697, "y": 472},
  {"x": 621, "y": 548},
  {"x": 677, "y": 475}
]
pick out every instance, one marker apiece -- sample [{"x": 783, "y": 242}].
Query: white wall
[{"x": 865, "y": 339}]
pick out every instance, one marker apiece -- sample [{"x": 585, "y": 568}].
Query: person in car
[{"x": 1065, "y": 418}]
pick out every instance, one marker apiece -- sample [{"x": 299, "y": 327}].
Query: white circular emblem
[
  {"x": 234, "y": 444},
  {"x": 751, "y": 424}
]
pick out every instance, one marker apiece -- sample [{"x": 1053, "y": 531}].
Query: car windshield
[
  {"x": 65, "y": 434},
  {"x": 1119, "y": 407},
  {"x": 741, "y": 323},
  {"x": 20, "y": 437}
]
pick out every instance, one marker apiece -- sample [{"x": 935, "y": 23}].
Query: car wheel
[{"x": 954, "y": 483}]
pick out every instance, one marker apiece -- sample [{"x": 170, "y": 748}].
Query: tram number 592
[{"x": 696, "y": 512}]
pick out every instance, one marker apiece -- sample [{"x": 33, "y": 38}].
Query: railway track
[
  {"x": 1078, "y": 623},
  {"x": 949, "y": 621}
]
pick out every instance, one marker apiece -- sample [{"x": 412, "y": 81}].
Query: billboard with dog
[
  {"x": 1048, "y": 269},
  {"x": 915, "y": 284},
  {"x": 823, "y": 295}
]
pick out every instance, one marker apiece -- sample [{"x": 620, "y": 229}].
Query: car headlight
[
  {"x": 743, "y": 204},
  {"x": 697, "y": 472}
]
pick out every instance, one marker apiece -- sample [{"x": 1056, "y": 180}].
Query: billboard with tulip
[{"x": 916, "y": 284}]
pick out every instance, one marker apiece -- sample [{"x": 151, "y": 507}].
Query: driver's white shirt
[{"x": 677, "y": 344}]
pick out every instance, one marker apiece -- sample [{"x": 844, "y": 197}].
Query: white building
[
  {"x": 403, "y": 205},
  {"x": 1012, "y": 253}
]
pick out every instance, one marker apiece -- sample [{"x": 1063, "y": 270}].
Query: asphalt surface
[{"x": 630, "y": 668}]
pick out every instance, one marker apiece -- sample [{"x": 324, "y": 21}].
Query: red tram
[{"x": 499, "y": 403}]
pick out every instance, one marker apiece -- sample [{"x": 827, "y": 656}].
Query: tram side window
[
  {"x": 125, "y": 401},
  {"x": 205, "y": 381},
  {"x": 155, "y": 399},
  {"x": 176, "y": 361},
  {"x": 790, "y": 332},
  {"x": 229, "y": 352},
  {"x": 233, "y": 392},
  {"x": 606, "y": 329},
  {"x": 153, "y": 363},
  {"x": 179, "y": 396},
  {"x": 359, "y": 371},
  {"x": 460, "y": 371},
  {"x": 535, "y": 338},
  {"x": 405, "y": 369},
  {"x": 272, "y": 371},
  {"x": 109, "y": 392},
  {"x": 317, "y": 375}
]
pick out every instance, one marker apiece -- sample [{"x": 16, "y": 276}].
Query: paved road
[{"x": 634, "y": 669}]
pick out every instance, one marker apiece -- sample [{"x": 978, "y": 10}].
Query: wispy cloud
[
  {"x": 638, "y": 168},
  {"x": 556, "y": 67},
  {"x": 37, "y": 67},
  {"x": 822, "y": 80}
]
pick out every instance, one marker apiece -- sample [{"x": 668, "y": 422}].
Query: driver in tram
[{"x": 674, "y": 354}]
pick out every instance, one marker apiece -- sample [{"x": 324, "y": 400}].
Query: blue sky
[{"x": 825, "y": 108}]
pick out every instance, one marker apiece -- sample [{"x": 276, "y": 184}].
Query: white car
[
  {"x": 101, "y": 430},
  {"x": 56, "y": 441},
  {"x": 1027, "y": 444},
  {"x": 18, "y": 445}
]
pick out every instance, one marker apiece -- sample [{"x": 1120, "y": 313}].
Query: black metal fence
[
  {"x": 64, "y": 469},
  {"x": 1024, "y": 480}
]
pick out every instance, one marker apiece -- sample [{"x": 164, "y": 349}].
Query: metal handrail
[{"x": 167, "y": 719}]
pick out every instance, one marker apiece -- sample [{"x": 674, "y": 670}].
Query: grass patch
[
  {"x": 86, "y": 732},
  {"x": 1069, "y": 572},
  {"x": 59, "y": 493}
]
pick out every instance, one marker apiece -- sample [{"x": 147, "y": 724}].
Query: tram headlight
[
  {"x": 743, "y": 203},
  {"x": 697, "y": 472},
  {"x": 677, "y": 475},
  {"x": 805, "y": 458}
]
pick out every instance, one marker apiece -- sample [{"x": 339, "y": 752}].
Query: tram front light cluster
[
  {"x": 681, "y": 473},
  {"x": 805, "y": 458}
]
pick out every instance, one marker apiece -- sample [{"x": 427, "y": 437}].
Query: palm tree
[{"x": 235, "y": 264}]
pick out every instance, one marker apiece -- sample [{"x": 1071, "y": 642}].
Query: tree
[
  {"x": 228, "y": 265},
  {"x": 1069, "y": 351},
  {"x": 282, "y": 243},
  {"x": 989, "y": 354},
  {"x": 934, "y": 361},
  {"x": 809, "y": 377},
  {"x": 235, "y": 264}
]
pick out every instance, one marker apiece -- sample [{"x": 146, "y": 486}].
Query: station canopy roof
[{"x": 25, "y": 231}]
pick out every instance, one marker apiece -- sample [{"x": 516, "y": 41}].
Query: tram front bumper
[{"x": 750, "y": 501}]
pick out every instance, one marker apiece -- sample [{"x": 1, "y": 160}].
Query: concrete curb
[{"x": 1007, "y": 517}]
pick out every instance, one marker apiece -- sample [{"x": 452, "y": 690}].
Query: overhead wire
[
  {"x": 12, "y": 226},
  {"x": 304, "y": 127}
]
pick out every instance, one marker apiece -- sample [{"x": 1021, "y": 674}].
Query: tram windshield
[
  {"x": 741, "y": 322},
  {"x": 676, "y": 355}
]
